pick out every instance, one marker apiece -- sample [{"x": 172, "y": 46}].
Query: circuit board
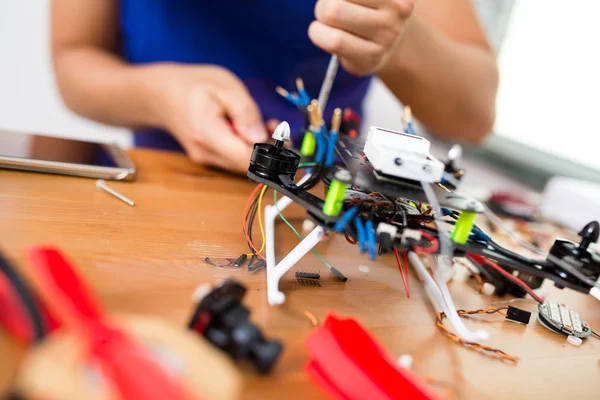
[
  {"x": 561, "y": 319},
  {"x": 365, "y": 177}
]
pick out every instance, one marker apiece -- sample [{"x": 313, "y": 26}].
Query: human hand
[
  {"x": 362, "y": 33},
  {"x": 209, "y": 111}
]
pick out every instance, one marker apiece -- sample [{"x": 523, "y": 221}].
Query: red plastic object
[
  {"x": 349, "y": 364},
  {"x": 13, "y": 316},
  {"x": 130, "y": 367}
]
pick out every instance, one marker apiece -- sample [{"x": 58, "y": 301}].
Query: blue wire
[
  {"x": 333, "y": 138},
  {"x": 294, "y": 100},
  {"x": 345, "y": 219},
  {"x": 321, "y": 145},
  {"x": 304, "y": 98},
  {"x": 371, "y": 239},
  {"x": 476, "y": 231},
  {"x": 410, "y": 128},
  {"x": 447, "y": 212},
  {"x": 361, "y": 234}
]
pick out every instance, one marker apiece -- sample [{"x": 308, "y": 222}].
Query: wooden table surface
[{"x": 149, "y": 258}]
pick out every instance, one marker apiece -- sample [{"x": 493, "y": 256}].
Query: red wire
[
  {"x": 406, "y": 264},
  {"x": 482, "y": 260},
  {"x": 435, "y": 244},
  {"x": 349, "y": 239},
  {"x": 245, "y": 224},
  {"x": 403, "y": 274}
]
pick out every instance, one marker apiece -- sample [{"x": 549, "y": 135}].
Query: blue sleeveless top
[{"x": 264, "y": 42}]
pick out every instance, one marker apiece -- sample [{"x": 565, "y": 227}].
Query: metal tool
[
  {"x": 332, "y": 69},
  {"x": 101, "y": 184}
]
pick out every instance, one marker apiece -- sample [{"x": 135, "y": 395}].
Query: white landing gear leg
[{"x": 276, "y": 271}]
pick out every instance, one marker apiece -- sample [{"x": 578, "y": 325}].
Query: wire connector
[{"x": 517, "y": 315}]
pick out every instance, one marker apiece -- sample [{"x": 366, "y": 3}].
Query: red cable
[
  {"x": 482, "y": 260},
  {"x": 349, "y": 239},
  {"x": 403, "y": 274},
  {"x": 435, "y": 244},
  {"x": 245, "y": 222},
  {"x": 406, "y": 264}
]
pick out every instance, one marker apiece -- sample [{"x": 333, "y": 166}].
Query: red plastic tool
[
  {"x": 129, "y": 366},
  {"x": 13, "y": 316},
  {"x": 349, "y": 364}
]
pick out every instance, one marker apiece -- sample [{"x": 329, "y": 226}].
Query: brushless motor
[{"x": 271, "y": 160}]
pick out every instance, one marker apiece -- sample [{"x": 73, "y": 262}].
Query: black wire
[
  {"x": 250, "y": 221},
  {"x": 510, "y": 254},
  {"x": 395, "y": 207},
  {"x": 29, "y": 303},
  {"x": 318, "y": 173}
]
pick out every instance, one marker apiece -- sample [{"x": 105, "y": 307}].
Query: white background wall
[
  {"x": 550, "y": 78},
  {"x": 29, "y": 100}
]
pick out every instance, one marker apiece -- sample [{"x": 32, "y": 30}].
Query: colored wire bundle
[
  {"x": 253, "y": 207},
  {"x": 490, "y": 310}
]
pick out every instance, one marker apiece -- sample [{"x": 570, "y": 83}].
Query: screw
[
  {"x": 343, "y": 175},
  {"x": 398, "y": 161},
  {"x": 101, "y": 184}
]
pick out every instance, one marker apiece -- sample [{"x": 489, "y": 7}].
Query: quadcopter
[{"x": 387, "y": 193}]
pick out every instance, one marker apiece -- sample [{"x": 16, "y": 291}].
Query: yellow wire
[{"x": 260, "y": 221}]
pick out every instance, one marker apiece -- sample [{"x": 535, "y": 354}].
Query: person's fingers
[
  {"x": 358, "y": 56},
  {"x": 357, "y": 19},
  {"x": 272, "y": 124},
  {"x": 197, "y": 153},
  {"x": 401, "y": 7},
  {"x": 207, "y": 136},
  {"x": 241, "y": 108},
  {"x": 232, "y": 151}
]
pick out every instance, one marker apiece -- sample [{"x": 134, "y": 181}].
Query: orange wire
[
  {"x": 490, "y": 310},
  {"x": 312, "y": 318},
  {"x": 245, "y": 222},
  {"x": 446, "y": 387}
]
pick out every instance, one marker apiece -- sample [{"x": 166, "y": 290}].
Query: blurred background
[{"x": 547, "y": 101}]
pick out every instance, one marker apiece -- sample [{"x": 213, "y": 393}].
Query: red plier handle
[{"x": 350, "y": 365}]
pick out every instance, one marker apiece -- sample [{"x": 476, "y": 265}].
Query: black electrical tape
[
  {"x": 29, "y": 303},
  {"x": 338, "y": 274}
]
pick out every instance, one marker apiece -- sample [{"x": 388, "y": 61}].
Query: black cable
[
  {"x": 29, "y": 303},
  {"x": 318, "y": 173},
  {"x": 250, "y": 220},
  {"x": 510, "y": 254}
]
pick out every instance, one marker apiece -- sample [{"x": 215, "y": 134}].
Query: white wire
[
  {"x": 445, "y": 255},
  {"x": 437, "y": 296}
]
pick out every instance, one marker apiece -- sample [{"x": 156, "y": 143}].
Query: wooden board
[{"x": 148, "y": 259}]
